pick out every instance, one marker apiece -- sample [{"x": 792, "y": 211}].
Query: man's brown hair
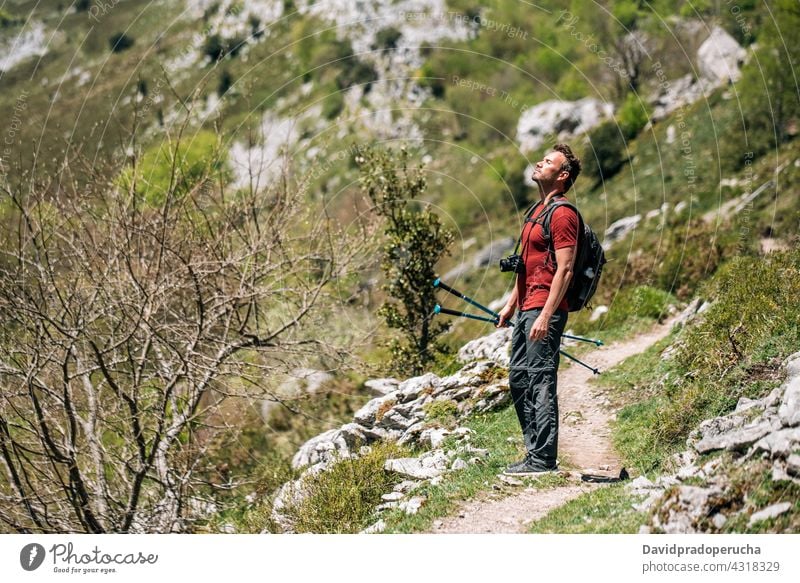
[{"x": 572, "y": 164}]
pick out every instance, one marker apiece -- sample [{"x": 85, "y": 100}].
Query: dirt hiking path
[{"x": 584, "y": 444}]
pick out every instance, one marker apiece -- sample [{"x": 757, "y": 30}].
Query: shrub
[
  {"x": 443, "y": 411},
  {"x": 415, "y": 241},
  {"x": 356, "y": 72},
  {"x": 165, "y": 168},
  {"x": 768, "y": 96},
  {"x": 342, "y": 498},
  {"x": 333, "y": 104},
  {"x": 217, "y": 47},
  {"x": 386, "y": 38},
  {"x": 120, "y": 42},
  {"x": 7, "y": 19},
  {"x": 606, "y": 153},
  {"x": 632, "y": 116},
  {"x": 225, "y": 82}
]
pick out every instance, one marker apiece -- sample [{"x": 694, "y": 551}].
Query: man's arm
[
  {"x": 510, "y": 307},
  {"x": 565, "y": 259}
]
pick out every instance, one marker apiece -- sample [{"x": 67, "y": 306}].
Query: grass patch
[
  {"x": 754, "y": 489},
  {"x": 342, "y": 498},
  {"x": 606, "y": 510},
  {"x": 735, "y": 351},
  {"x": 491, "y": 432}
]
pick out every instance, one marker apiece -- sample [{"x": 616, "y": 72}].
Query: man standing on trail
[{"x": 539, "y": 294}]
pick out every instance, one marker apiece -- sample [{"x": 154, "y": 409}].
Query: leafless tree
[{"x": 125, "y": 325}]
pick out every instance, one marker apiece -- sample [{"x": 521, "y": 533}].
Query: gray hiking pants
[{"x": 532, "y": 379}]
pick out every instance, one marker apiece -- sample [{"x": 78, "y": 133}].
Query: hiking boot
[
  {"x": 530, "y": 467},
  {"x": 515, "y": 465}
]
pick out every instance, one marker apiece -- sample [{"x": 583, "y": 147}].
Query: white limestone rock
[
  {"x": 493, "y": 347},
  {"x": 619, "y": 229},
  {"x": 720, "y": 57},
  {"x": 458, "y": 464},
  {"x": 597, "y": 313},
  {"x": 367, "y": 415},
  {"x": 789, "y": 411},
  {"x": 376, "y": 528},
  {"x": 334, "y": 443},
  {"x": 779, "y": 443},
  {"x": 411, "y": 389},
  {"x": 736, "y": 440},
  {"x": 433, "y": 437},
  {"x": 555, "y": 120},
  {"x": 772, "y": 511},
  {"x": 413, "y": 505},
  {"x": 381, "y": 387}
]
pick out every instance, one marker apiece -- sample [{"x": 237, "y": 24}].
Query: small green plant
[
  {"x": 342, "y": 498},
  {"x": 443, "y": 411},
  {"x": 217, "y": 47}
]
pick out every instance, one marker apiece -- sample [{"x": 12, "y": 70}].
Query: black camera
[{"x": 512, "y": 263}]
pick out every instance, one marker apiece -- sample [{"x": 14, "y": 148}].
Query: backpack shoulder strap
[{"x": 548, "y": 217}]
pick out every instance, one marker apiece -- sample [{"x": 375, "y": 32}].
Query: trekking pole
[
  {"x": 438, "y": 283},
  {"x": 581, "y": 338},
  {"x": 440, "y": 310},
  {"x": 594, "y": 370}
]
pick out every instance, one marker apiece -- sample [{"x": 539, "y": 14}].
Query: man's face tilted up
[{"x": 548, "y": 174}]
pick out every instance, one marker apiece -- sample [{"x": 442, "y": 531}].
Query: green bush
[
  {"x": 606, "y": 153},
  {"x": 626, "y": 12},
  {"x": 217, "y": 47},
  {"x": 696, "y": 8},
  {"x": 768, "y": 97},
  {"x": 632, "y": 116},
  {"x": 7, "y": 19},
  {"x": 415, "y": 240},
  {"x": 356, "y": 72},
  {"x": 443, "y": 411},
  {"x": 120, "y": 42},
  {"x": 386, "y": 38},
  {"x": 169, "y": 168},
  {"x": 333, "y": 104},
  {"x": 342, "y": 498}
]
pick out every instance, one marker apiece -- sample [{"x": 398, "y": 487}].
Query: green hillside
[{"x": 130, "y": 111}]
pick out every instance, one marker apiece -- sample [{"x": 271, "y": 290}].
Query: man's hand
[
  {"x": 505, "y": 315},
  {"x": 540, "y": 326}
]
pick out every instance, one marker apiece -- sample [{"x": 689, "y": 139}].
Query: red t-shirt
[{"x": 533, "y": 284}]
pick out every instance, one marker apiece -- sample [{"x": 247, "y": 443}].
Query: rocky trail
[{"x": 584, "y": 448}]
